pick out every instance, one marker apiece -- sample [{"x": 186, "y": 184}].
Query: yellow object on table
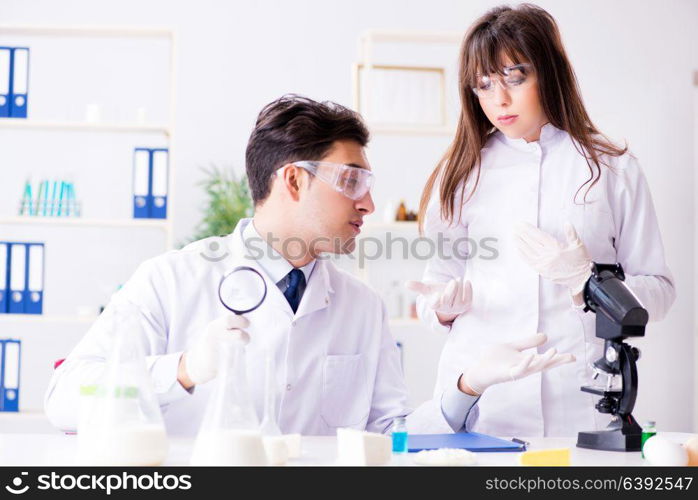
[{"x": 546, "y": 458}]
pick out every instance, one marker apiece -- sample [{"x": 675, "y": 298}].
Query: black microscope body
[{"x": 619, "y": 315}]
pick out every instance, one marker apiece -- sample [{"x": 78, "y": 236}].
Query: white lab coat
[
  {"x": 337, "y": 364},
  {"x": 536, "y": 182}
]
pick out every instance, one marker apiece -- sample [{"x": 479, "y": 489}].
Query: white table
[{"x": 58, "y": 449}]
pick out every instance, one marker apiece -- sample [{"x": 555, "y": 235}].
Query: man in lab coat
[{"x": 336, "y": 363}]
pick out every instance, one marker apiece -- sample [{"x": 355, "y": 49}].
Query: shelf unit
[
  {"x": 367, "y": 41},
  {"x": 420, "y": 347},
  {"x": 165, "y": 226}
]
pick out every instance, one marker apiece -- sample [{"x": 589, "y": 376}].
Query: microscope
[{"x": 619, "y": 315}]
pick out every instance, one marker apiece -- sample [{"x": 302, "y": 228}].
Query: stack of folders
[
  {"x": 150, "y": 181},
  {"x": 10, "y": 350},
  {"x": 21, "y": 278},
  {"x": 53, "y": 199},
  {"x": 14, "y": 82}
]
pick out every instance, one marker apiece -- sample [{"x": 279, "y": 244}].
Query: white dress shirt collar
[{"x": 271, "y": 261}]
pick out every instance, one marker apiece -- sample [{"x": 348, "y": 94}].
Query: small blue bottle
[{"x": 399, "y": 435}]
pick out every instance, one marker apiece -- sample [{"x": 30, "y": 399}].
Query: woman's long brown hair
[{"x": 526, "y": 33}]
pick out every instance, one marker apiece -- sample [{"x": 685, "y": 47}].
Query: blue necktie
[{"x": 292, "y": 293}]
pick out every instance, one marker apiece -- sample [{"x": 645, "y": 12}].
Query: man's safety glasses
[{"x": 352, "y": 182}]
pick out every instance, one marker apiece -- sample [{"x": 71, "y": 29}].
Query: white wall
[{"x": 634, "y": 60}]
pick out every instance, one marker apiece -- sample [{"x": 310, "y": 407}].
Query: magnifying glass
[{"x": 242, "y": 290}]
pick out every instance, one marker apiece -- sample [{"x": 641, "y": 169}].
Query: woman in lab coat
[{"x": 530, "y": 175}]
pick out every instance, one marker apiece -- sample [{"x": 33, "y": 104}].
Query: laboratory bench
[{"x": 57, "y": 449}]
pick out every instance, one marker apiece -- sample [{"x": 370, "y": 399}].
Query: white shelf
[
  {"x": 24, "y": 421},
  {"x": 373, "y": 228},
  {"x": 404, "y": 322},
  {"x": 398, "y": 224},
  {"x": 411, "y": 130},
  {"x": 87, "y": 318},
  {"x": 29, "y": 124},
  {"x": 88, "y": 31},
  {"x": 415, "y": 36},
  {"x": 50, "y": 318},
  {"x": 163, "y": 224},
  {"x": 47, "y": 318}
]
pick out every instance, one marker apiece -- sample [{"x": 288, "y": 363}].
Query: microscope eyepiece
[{"x": 606, "y": 293}]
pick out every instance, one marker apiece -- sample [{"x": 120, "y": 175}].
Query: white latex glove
[
  {"x": 450, "y": 299},
  {"x": 202, "y": 358},
  {"x": 567, "y": 264},
  {"x": 505, "y": 362}
]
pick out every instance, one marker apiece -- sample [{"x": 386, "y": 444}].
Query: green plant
[{"x": 228, "y": 201}]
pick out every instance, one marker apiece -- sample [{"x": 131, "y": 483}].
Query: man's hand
[
  {"x": 506, "y": 362},
  {"x": 200, "y": 363},
  {"x": 448, "y": 300}
]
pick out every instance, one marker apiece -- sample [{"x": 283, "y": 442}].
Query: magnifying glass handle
[
  {"x": 236, "y": 324},
  {"x": 236, "y": 321}
]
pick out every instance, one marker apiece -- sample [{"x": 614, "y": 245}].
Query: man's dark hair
[{"x": 295, "y": 128}]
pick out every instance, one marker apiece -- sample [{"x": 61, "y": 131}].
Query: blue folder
[
  {"x": 5, "y": 81},
  {"x": 10, "y": 362},
  {"x": 158, "y": 183},
  {"x": 471, "y": 441},
  {"x": 4, "y": 275},
  {"x": 34, "y": 292},
  {"x": 18, "y": 278},
  {"x": 141, "y": 183},
  {"x": 20, "y": 82}
]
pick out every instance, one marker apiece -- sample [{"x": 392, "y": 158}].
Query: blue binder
[
  {"x": 471, "y": 441},
  {"x": 158, "y": 185},
  {"x": 18, "y": 278},
  {"x": 9, "y": 374},
  {"x": 34, "y": 295},
  {"x": 20, "y": 82},
  {"x": 141, "y": 183},
  {"x": 5, "y": 81},
  {"x": 4, "y": 275}
]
